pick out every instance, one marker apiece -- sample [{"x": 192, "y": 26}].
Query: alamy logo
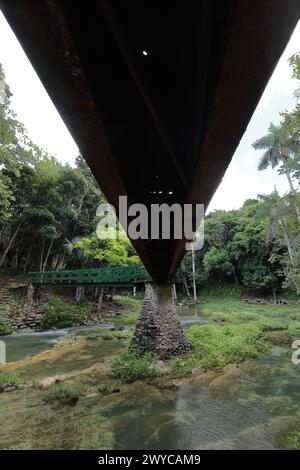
[
  {"x": 296, "y": 354},
  {"x": 2, "y": 352},
  {"x": 160, "y": 221}
]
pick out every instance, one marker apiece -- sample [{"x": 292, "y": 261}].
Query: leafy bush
[
  {"x": 66, "y": 394},
  {"x": 130, "y": 367},
  {"x": 5, "y": 329},
  {"x": 54, "y": 319},
  {"x": 64, "y": 315}
]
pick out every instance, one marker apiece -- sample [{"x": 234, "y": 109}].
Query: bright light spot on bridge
[{"x": 145, "y": 53}]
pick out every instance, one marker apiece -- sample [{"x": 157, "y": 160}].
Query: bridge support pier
[{"x": 158, "y": 330}]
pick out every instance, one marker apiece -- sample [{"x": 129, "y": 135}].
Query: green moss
[
  {"x": 5, "y": 329},
  {"x": 214, "y": 346},
  {"x": 66, "y": 394},
  {"x": 130, "y": 367}
]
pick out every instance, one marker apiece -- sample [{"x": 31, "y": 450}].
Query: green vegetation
[
  {"x": 257, "y": 246},
  {"x": 130, "y": 304},
  {"x": 66, "y": 394},
  {"x": 130, "y": 367},
  {"x": 221, "y": 290},
  {"x": 236, "y": 311},
  {"x": 108, "y": 389},
  {"x": 294, "y": 440},
  {"x": 214, "y": 346},
  {"x": 64, "y": 315},
  {"x": 5, "y": 329},
  {"x": 47, "y": 209},
  {"x": 9, "y": 379}
]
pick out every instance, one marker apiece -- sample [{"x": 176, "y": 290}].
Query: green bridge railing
[{"x": 117, "y": 275}]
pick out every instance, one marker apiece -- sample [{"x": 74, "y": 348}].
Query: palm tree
[{"x": 279, "y": 149}]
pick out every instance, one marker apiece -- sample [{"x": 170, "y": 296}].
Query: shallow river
[{"x": 254, "y": 406}]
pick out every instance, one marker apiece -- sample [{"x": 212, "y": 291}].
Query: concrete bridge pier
[{"x": 158, "y": 330}]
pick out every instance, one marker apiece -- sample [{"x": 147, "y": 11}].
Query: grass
[
  {"x": 126, "y": 320},
  {"x": 215, "y": 346},
  {"x": 129, "y": 303},
  {"x": 5, "y": 329},
  {"x": 237, "y": 311},
  {"x": 129, "y": 367},
  {"x": 66, "y": 394},
  {"x": 236, "y": 334},
  {"x": 9, "y": 379}
]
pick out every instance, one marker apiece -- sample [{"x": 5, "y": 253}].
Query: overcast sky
[{"x": 241, "y": 181}]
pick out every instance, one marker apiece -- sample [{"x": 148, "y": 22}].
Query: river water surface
[{"x": 253, "y": 406}]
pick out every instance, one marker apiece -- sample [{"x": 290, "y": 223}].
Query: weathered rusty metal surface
[{"x": 169, "y": 121}]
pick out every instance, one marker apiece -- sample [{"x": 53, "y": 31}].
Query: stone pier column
[{"x": 158, "y": 329}]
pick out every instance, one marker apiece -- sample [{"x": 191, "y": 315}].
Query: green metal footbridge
[
  {"x": 118, "y": 275},
  {"x": 112, "y": 276}
]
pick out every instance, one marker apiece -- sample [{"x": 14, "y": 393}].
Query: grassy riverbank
[{"x": 85, "y": 381}]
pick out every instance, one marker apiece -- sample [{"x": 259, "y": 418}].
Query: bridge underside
[{"x": 156, "y": 94}]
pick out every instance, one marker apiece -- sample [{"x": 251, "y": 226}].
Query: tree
[
  {"x": 114, "y": 251},
  {"x": 280, "y": 148},
  {"x": 14, "y": 148}
]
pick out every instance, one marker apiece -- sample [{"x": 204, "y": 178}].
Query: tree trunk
[
  {"x": 47, "y": 255},
  {"x": 11, "y": 241},
  {"x": 287, "y": 242},
  {"x": 113, "y": 293},
  {"x": 42, "y": 255},
  {"x": 174, "y": 292},
  {"x": 27, "y": 259},
  {"x": 186, "y": 287},
  {"x": 234, "y": 275},
  {"x": 293, "y": 192},
  {"x": 100, "y": 301},
  {"x": 158, "y": 330}
]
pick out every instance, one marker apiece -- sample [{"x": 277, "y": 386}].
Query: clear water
[
  {"x": 253, "y": 406},
  {"x": 25, "y": 345}
]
